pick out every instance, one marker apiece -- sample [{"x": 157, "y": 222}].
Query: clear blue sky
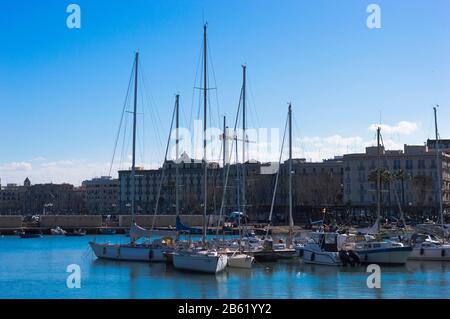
[{"x": 62, "y": 90}]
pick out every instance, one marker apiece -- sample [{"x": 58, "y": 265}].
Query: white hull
[
  {"x": 397, "y": 255},
  {"x": 321, "y": 257},
  {"x": 240, "y": 261},
  {"x": 431, "y": 253},
  {"x": 200, "y": 262},
  {"x": 128, "y": 252}
]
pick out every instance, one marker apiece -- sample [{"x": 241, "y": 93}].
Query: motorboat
[
  {"x": 426, "y": 247},
  {"x": 374, "y": 251},
  {"x": 322, "y": 249}
]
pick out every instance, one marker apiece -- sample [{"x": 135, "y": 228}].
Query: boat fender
[
  {"x": 300, "y": 253},
  {"x": 118, "y": 252},
  {"x": 104, "y": 250},
  {"x": 366, "y": 257},
  {"x": 422, "y": 251},
  {"x": 443, "y": 253},
  {"x": 150, "y": 254},
  {"x": 313, "y": 256}
]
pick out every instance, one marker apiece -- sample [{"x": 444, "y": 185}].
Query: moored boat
[
  {"x": 57, "y": 231},
  {"x": 427, "y": 248},
  {"x": 322, "y": 249},
  {"x": 206, "y": 261},
  {"x": 371, "y": 250},
  {"x": 240, "y": 260}
]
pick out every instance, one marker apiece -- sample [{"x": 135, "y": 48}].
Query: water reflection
[{"x": 43, "y": 263}]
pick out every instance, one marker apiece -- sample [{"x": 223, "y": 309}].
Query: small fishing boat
[
  {"x": 57, "y": 231},
  {"x": 322, "y": 249}
]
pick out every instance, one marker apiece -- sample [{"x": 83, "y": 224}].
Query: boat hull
[
  {"x": 200, "y": 263},
  {"x": 431, "y": 253},
  {"x": 286, "y": 253},
  {"x": 321, "y": 258},
  {"x": 130, "y": 252},
  {"x": 395, "y": 255},
  {"x": 240, "y": 261}
]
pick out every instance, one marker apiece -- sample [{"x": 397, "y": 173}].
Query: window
[
  {"x": 397, "y": 164},
  {"x": 421, "y": 164},
  {"x": 409, "y": 164}
]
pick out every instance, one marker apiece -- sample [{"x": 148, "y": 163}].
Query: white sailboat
[
  {"x": 155, "y": 250},
  {"x": 238, "y": 259},
  {"x": 428, "y": 249},
  {"x": 203, "y": 259},
  {"x": 287, "y": 250}
]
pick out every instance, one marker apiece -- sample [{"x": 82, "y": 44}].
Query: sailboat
[
  {"x": 202, "y": 259},
  {"x": 157, "y": 250},
  {"x": 425, "y": 248},
  {"x": 238, "y": 259},
  {"x": 286, "y": 250},
  {"x": 264, "y": 249}
]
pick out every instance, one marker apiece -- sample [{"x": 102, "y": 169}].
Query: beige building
[
  {"x": 409, "y": 177},
  {"x": 101, "y": 195}
]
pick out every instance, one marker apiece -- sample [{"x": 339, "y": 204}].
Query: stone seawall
[
  {"x": 70, "y": 221},
  {"x": 11, "y": 221}
]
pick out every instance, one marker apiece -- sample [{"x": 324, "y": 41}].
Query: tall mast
[
  {"x": 378, "y": 175},
  {"x": 224, "y": 147},
  {"x": 439, "y": 166},
  {"x": 205, "y": 90},
  {"x": 244, "y": 71},
  {"x": 177, "y": 203},
  {"x": 133, "y": 165},
  {"x": 238, "y": 195},
  {"x": 291, "y": 221}
]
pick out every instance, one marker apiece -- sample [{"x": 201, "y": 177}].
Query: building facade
[
  {"x": 28, "y": 199},
  {"x": 101, "y": 195},
  {"x": 409, "y": 177}
]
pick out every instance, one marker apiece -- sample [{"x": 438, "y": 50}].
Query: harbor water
[{"x": 37, "y": 268}]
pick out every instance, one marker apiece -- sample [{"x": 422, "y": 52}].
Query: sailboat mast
[
  {"x": 439, "y": 166},
  {"x": 224, "y": 147},
  {"x": 133, "y": 165},
  {"x": 291, "y": 221},
  {"x": 378, "y": 175},
  {"x": 244, "y": 75},
  {"x": 205, "y": 94},
  {"x": 177, "y": 105}
]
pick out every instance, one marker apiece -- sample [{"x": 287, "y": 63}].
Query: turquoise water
[{"x": 36, "y": 268}]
